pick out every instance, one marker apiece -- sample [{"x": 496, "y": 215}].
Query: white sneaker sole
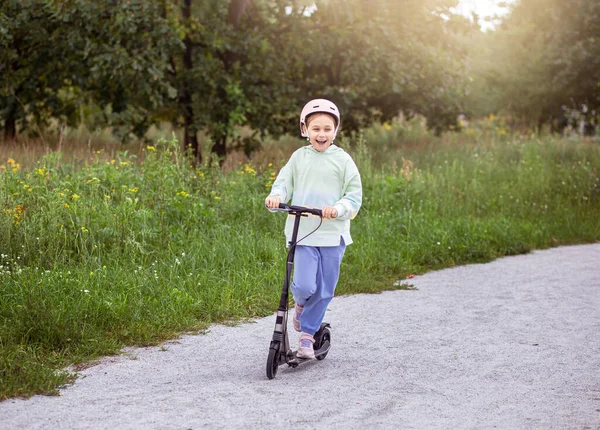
[{"x": 305, "y": 355}]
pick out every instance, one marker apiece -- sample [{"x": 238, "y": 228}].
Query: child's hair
[{"x": 312, "y": 115}]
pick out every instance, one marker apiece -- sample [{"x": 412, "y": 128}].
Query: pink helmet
[{"x": 319, "y": 106}]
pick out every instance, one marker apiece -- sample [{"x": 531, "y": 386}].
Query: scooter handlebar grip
[{"x": 317, "y": 212}]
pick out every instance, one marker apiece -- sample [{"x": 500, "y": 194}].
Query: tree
[
  {"x": 124, "y": 46},
  {"x": 32, "y": 67},
  {"x": 233, "y": 72},
  {"x": 543, "y": 59},
  {"x": 376, "y": 59},
  {"x": 58, "y": 55},
  {"x": 254, "y": 64},
  {"x": 217, "y": 66}
]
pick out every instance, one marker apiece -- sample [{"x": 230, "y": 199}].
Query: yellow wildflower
[
  {"x": 248, "y": 169},
  {"x": 14, "y": 165}
]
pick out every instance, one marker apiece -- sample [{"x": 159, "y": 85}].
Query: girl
[{"x": 320, "y": 175}]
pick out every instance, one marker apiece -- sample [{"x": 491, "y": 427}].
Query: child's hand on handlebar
[
  {"x": 329, "y": 212},
  {"x": 272, "y": 202}
]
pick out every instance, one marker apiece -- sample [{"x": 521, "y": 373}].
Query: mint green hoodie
[{"x": 315, "y": 179}]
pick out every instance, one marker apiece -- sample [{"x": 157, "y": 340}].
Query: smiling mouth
[{"x": 321, "y": 142}]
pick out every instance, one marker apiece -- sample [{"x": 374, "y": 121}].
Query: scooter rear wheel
[
  {"x": 325, "y": 336},
  {"x": 273, "y": 361}
]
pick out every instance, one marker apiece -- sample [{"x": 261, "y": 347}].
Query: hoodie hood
[{"x": 333, "y": 148}]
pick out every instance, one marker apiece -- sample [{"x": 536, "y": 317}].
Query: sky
[{"x": 483, "y": 8}]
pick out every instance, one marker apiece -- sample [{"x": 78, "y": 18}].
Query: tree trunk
[
  {"x": 236, "y": 11},
  {"x": 237, "y": 8},
  {"x": 234, "y": 17},
  {"x": 220, "y": 148},
  {"x": 190, "y": 139},
  {"x": 10, "y": 123}
]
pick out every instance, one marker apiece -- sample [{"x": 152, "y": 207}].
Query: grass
[{"x": 121, "y": 248}]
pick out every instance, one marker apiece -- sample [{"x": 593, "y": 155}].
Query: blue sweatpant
[{"x": 316, "y": 273}]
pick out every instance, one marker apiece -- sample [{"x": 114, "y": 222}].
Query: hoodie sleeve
[
  {"x": 349, "y": 205},
  {"x": 283, "y": 187}
]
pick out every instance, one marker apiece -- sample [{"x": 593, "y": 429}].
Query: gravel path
[{"x": 512, "y": 344}]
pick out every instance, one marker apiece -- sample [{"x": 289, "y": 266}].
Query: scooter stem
[{"x": 283, "y": 302}]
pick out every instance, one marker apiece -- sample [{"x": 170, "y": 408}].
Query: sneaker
[
  {"x": 305, "y": 346},
  {"x": 296, "y": 319}
]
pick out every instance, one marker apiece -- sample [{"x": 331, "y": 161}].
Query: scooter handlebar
[{"x": 299, "y": 209}]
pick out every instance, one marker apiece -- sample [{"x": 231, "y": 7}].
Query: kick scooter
[{"x": 279, "y": 350}]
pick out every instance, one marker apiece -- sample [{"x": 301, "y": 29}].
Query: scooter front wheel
[{"x": 273, "y": 361}]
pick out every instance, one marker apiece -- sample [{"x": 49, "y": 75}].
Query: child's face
[{"x": 321, "y": 131}]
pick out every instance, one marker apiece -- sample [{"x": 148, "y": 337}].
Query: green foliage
[
  {"x": 217, "y": 66},
  {"x": 32, "y": 67},
  {"x": 125, "y": 48},
  {"x": 236, "y": 73},
  {"x": 80, "y": 60},
  {"x": 111, "y": 252},
  {"x": 543, "y": 60},
  {"x": 376, "y": 59}
]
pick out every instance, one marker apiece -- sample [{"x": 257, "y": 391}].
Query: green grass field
[{"x": 108, "y": 251}]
